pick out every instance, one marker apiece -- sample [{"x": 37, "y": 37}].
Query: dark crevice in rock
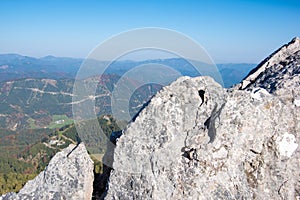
[
  {"x": 190, "y": 154},
  {"x": 201, "y": 94},
  {"x": 100, "y": 185},
  {"x": 281, "y": 186},
  {"x": 253, "y": 151},
  {"x": 78, "y": 143},
  {"x": 210, "y": 122}
]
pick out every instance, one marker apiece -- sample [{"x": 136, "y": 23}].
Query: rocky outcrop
[
  {"x": 69, "y": 175},
  {"x": 278, "y": 74},
  {"x": 279, "y": 66},
  {"x": 196, "y": 140}
]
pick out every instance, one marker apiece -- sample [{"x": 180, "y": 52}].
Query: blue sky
[{"x": 231, "y": 31}]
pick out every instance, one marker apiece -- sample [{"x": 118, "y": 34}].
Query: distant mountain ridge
[{"x": 15, "y": 66}]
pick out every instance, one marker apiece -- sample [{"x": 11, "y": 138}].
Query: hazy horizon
[{"x": 120, "y": 60}]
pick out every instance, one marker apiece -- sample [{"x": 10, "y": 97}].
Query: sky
[{"x": 230, "y": 31}]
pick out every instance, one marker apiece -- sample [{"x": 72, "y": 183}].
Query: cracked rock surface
[{"x": 196, "y": 140}]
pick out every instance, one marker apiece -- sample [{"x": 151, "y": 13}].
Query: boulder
[{"x": 69, "y": 175}]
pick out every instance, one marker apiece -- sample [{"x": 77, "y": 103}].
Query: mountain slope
[{"x": 34, "y": 103}]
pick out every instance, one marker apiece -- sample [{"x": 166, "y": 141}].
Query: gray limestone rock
[
  {"x": 196, "y": 140},
  {"x": 69, "y": 175}
]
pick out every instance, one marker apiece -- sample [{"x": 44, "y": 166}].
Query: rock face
[
  {"x": 196, "y": 140},
  {"x": 69, "y": 175}
]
